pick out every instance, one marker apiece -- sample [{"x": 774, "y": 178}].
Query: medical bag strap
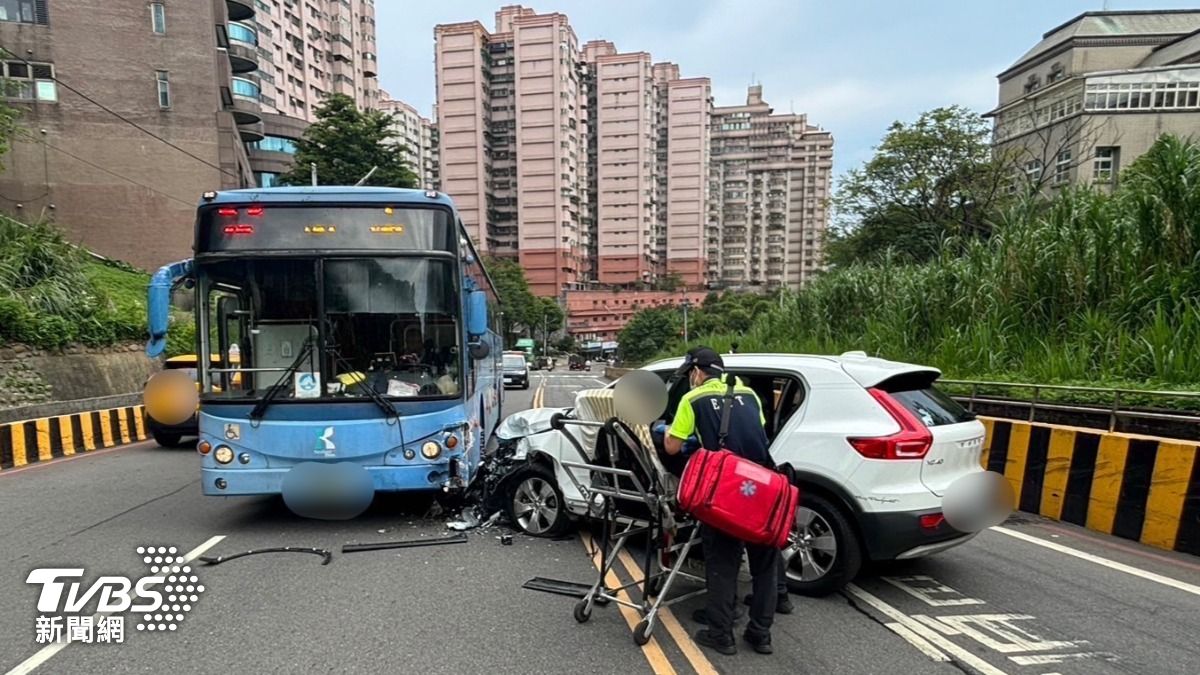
[{"x": 725, "y": 410}]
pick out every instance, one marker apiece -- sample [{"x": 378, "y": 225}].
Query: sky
[{"x": 854, "y": 66}]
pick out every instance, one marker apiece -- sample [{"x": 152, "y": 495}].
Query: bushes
[
  {"x": 1086, "y": 287},
  {"x": 52, "y": 294}
]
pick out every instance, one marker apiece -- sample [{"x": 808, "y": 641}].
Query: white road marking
[
  {"x": 45, "y": 653},
  {"x": 1055, "y": 659},
  {"x": 962, "y": 655},
  {"x": 918, "y": 642},
  {"x": 1000, "y": 633},
  {"x": 929, "y": 589},
  {"x": 1111, "y": 564}
]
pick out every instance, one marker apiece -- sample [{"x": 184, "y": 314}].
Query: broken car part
[
  {"x": 559, "y": 587},
  {"x": 459, "y": 538},
  {"x": 280, "y": 549}
]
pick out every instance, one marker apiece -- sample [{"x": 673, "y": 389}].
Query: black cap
[{"x": 704, "y": 358}]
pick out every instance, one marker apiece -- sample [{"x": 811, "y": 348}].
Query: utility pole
[{"x": 686, "y": 303}]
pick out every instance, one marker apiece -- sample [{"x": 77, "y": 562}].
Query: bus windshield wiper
[
  {"x": 261, "y": 407},
  {"x": 380, "y": 400}
]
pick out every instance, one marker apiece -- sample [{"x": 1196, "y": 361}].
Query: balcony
[
  {"x": 240, "y": 10},
  {"x": 245, "y": 101},
  {"x": 252, "y": 133},
  {"x": 370, "y": 65},
  {"x": 243, "y": 48}
]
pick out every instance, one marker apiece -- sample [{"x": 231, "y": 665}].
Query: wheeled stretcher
[{"x": 630, "y": 494}]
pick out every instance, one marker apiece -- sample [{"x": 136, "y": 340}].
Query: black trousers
[{"x": 722, "y": 559}]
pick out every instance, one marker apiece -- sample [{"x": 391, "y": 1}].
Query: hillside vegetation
[{"x": 1085, "y": 287}]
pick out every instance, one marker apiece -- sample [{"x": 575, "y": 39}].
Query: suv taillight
[{"x": 911, "y": 442}]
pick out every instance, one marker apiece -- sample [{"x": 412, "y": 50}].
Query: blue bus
[{"x": 355, "y": 341}]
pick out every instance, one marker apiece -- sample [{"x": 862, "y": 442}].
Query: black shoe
[
  {"x": 783, "y": 604},
  {"x": 760, "y": 643},
  {"x": 705, "y": 638},
  {"x": 701, "y": 615}
]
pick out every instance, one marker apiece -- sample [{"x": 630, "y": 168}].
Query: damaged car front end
[{"x": 525, "y": 477}]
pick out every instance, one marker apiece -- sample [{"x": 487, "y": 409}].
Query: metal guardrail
[{"x": 1113, "y": 410}]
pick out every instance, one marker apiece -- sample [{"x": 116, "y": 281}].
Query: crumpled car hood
[{"x": 527, "y": 423}]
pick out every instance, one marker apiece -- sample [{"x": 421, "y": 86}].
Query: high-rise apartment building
[
  {"x": 1096, "y": 92},
  {"x": 768, "y": 199},
  {"x": 416, "y": 138},
  {"x": 122, "y": 128},
  {"x": 510, "y": 112},
  {"x": 684, "y": 167},
  {"x": 306, "y": 50}
]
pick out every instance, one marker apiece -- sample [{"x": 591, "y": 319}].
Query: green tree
[
  {"x": 566, "y": 344},
  {"x": 929, "y": 179},
  {"x": 649, "y": 332},
  {"x": 523, "y": 312},
  {"x": 346, "y": 143}
]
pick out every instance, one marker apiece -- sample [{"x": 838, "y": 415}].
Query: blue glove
[
  {"x": 659, "y": 429},
  {"x": 691, "y": 445}
]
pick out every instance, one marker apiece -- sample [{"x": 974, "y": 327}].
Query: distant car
[
  {"x": 580, "y": 365},
  {"x": 171, "y": 435},
  {"x": 516, "y": 370},
  {"x": 872, "y": 444}
]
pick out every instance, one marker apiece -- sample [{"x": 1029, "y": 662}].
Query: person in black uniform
[{"x": 699, "y": 413}]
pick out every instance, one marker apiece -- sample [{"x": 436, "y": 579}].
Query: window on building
[
  {"x": 164, "y": 89},
  {"x": 158, "y": 18},
  {"x": 1062, "y": 167},
  {"x": 1033, "y": 170},
  {"x": 1106, "y": 163},
  {"x": 266, "y": 179},
  {"x": 24, "y": 11},
  {"x": 26, "y": 81},
  {"x": 1110, "y": 95},
  {"x": 1032, "y": 83}
]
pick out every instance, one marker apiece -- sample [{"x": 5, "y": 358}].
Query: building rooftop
[{"x": 1115, "y": 24}]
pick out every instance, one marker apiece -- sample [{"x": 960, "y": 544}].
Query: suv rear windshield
[
  {"x": 514, "y": 362},
  {"x": 915, "y": 391},
  {"x": 933, "y": 407}
]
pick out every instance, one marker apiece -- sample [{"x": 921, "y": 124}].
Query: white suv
[{"x": 872, "y": 444}]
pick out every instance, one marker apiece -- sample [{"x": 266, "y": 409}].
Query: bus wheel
[{"x": 167, "y": 440}]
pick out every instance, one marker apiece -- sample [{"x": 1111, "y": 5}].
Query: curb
[
  {"x": 1135, "y": 487},
  {"x": 46, "y": 438}
]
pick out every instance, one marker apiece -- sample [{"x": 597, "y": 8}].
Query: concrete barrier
[
  {"x": 46, "y": 438},
  {"x": 1134, "y": 487}
]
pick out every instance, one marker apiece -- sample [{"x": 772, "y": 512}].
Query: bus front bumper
[{"x": 245, "y": 481}]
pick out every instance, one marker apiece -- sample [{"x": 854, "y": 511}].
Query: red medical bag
[{"x": 738, "y": 497}]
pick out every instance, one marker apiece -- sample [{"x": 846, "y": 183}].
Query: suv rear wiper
[{"x": 260, "y": 408}]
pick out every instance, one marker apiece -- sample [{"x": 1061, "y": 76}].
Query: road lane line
[
  {"x": 1111, "y": 564},
  {"x": 46, "y": 653},
  {"x": 651, "y": 650},
  {"x": 917, "y": 641},
  {"x": 690, "y": 650},
  {"x": 924, "y": 632},
  {"x": 63, "y": 460}
]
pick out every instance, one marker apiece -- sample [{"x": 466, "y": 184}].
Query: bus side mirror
[
  {"x": 158, "y": 303},
  {"x": 477, "y": 325},
  {"x": 477, "y": 314}
]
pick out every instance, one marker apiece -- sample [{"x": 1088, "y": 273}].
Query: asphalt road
[{"x": 1034, "y": 597}]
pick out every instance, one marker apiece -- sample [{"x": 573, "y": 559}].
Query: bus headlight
[
  {"x": 223, "y": 454},
  {"x": 431, "y": 450}
]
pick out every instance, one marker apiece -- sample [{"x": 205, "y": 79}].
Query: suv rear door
[{"x": 957, "y": 435}]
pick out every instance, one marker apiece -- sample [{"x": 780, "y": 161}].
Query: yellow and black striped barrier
[
  {"x": 1136, "y": 487},
  {"x": 41, "y": 440}
]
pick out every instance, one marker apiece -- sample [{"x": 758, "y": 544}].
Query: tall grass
[
  {"x": 52, "y": 294},
  {"x": 1083, "y": 288}
]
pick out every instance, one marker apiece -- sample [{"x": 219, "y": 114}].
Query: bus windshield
[{"x": 331, "y": 327}]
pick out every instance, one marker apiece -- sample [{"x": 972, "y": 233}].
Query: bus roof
[{"x": 328, "y": 193}]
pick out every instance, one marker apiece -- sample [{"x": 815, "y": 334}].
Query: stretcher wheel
[
  {"x": 642, "y": 631},
  {"x": 582, "y": 611}
]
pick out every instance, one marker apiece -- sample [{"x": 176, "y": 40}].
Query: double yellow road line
[
  {"x": 539, "y": 394},
  {"x": 652, "y": 650}
]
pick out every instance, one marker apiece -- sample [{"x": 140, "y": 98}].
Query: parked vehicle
[
  {"x": 516, "y": 370},
  {"x": 872, "y": 444}
]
